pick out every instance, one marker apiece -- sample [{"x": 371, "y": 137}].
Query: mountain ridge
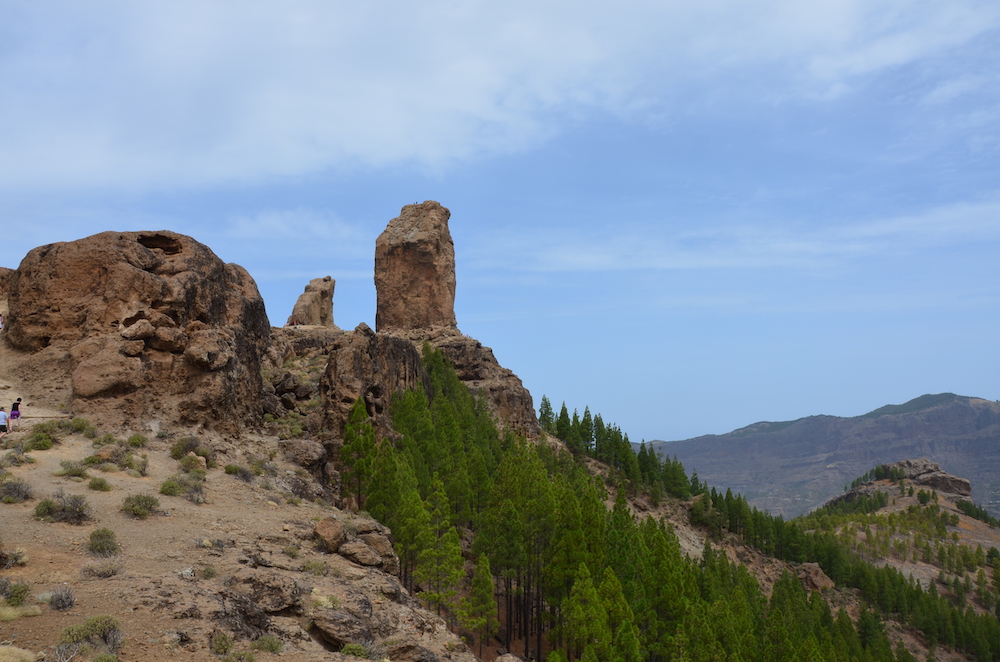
[{"x": 791, "y": 467}]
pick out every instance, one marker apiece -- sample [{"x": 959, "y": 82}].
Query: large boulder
[
  {"x": 144, "y": 326},
  {"x": 314, "y": 307},
  {"x": 415, "y": 270}
]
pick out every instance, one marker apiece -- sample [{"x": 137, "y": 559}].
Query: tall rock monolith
[{"x": 415, "y": 270}]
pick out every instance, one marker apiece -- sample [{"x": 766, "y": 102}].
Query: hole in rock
[{"x": 168, "y": 245}]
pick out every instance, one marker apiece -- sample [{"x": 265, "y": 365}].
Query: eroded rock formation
[
  {"x": 371, "y": 365},
  {"x": 314, "y": 307},
  {"x": 415, "y": 270},
  {"x": 143, "y": 326}
]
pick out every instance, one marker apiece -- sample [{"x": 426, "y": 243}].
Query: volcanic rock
[
  {"x": 415, "y": 270},
  {"x": 5, "y": 276},
  {"x": 330, "y": 533},
  {"x": 314, "y": 307},
  {"x": 929, "y": 474},
  {"x": 373, "y": 366},
  {"x": 813, "y": 577},
  {"x": 145, "y": 326}
]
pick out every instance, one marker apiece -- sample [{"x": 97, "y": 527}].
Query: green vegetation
[
  {"x": 103, "y": 542},
  {"x": 354, "y": 650},
  {"x": 99, "y": 485},
  {"x": 62, "y": 507},
  {"x": 978, "y": 512},
  {"x": 593, "y": 584},
  {"x": 14, "y": 490},
  {"x": 104, "y": 631},
  {"x": 140, "y": 506},
  {"x": 268, "y": 643}
]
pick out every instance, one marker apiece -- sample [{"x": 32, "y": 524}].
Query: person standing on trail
[
  {"x": 15, "y": 414},
  {"x": 3, "y": 423}
]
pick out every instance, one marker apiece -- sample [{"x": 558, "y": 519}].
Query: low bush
[
  {"x": 137, "y": 441},
  {"x": 15, "y": 490},
  {"x": 10, "y": 558},
  {"x": 99, "y": 485},
  {"x": 62, "y": 507},
  {"x": 354, "y": 650},
  {"x": 140, "y": 506},
  {"x": 222, "y": 643},
  {"x": 171, "y": 487},
  {"x": 102, "y": 570},
  {"x": 190, "y": 463},
  {"x": 103, "y": 542},
  {"x": 72, "y": 468},
  {"x": 316, "y": 568},
  {"x": 15, "y": 593},
  {"x": 191, "y": 485},
  {"x": 62, "y": 599},
  {"x": 268, "y": 643},
  {"x": 97, "y": 630},
  {"x": 187, "y": 445}
]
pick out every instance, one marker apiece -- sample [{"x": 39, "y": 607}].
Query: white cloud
[{"x": 138, "y": 94}]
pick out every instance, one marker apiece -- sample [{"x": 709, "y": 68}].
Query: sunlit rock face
[
  {"x": 415, "y": 270},
  {"x": 142, "y": 326}
]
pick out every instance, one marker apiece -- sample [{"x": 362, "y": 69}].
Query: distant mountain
[{"x": 791, "y": 467}]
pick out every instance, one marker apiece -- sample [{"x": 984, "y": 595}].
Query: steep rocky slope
[{"x": 794, "y": 466}]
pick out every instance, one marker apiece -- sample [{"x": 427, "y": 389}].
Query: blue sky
[{"x": 689, "y": 216}]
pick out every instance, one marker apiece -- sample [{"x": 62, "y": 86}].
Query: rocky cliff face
[
  {"x": 142, "y": 326},
  {"x": 314, "y": 307},
  {"x": 415, "y": 270},
  {"x": 371, "y": 365}
]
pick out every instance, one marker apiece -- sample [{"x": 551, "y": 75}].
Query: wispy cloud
[
  {"x": 658, "y": 246},
  {"x": 139, "y": 95}
]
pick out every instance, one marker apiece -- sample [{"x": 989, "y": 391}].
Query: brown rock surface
[
  {"x": 330, "y": 533},
  {"x": 929, "y": 474},
  {"x": 479, "y": 369},
  {"x": 813, "y": 577},
  {"x": 371, "y": 365},
  {"x": 314, "y": 307},
  {"x": 415, "y": 270},
  {"x": 144, "y": 326}
]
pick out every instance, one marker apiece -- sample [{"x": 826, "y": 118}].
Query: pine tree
[
  {"x": 357, "y": 452},
  {"x": 546, "y": 416},
  {"x": 586, "y": 618},
  {"x": 564, "y": 426},
  {"x": 479, "y": 609},
  {"x": 439, "y": 563}
]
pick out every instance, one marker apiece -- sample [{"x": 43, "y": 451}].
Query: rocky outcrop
[
  {"x": 479, "y": 369},
  {"x": 361, "y": 541},
  {"x": 813, "y": 578},
  {"x": 925, "y": 473},
  {"x": 374, "y": 366},
  {"x": 314, "y": 307},
  {"x": 144, "y": 326},
  {"x": 415, "y": 270}
]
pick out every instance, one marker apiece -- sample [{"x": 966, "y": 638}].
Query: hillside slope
[{"x": 792, "y": 467}]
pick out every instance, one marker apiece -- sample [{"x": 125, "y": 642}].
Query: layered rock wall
[{"x": 145, "y": 326}]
